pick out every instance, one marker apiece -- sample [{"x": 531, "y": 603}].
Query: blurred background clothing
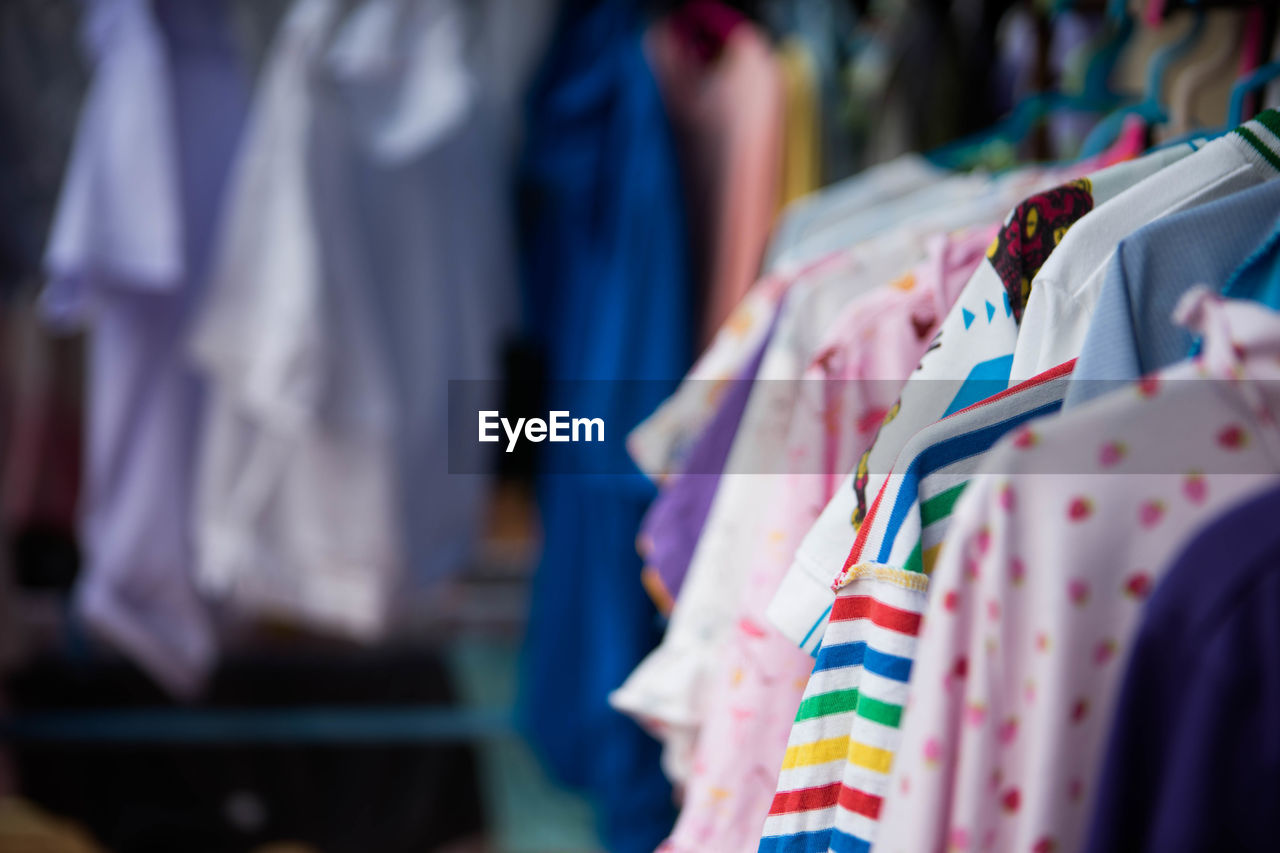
[{"x": 607, "y": 282}]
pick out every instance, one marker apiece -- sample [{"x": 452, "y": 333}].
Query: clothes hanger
[
  {"x": 1188, "y": 87},
  {"x": 1097, "y": 77},
  {"x": 1034, "y": 109},
  {"x": 1249, "y": 83},
  {"x": 1014, "y": 128},
  {"x": 1149, "y": 109}
]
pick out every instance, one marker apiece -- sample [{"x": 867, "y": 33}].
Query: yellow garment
[{"x": 801, "y": 146}]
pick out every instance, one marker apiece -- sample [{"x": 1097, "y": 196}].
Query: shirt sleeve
[{"x": 118, "y": 222}]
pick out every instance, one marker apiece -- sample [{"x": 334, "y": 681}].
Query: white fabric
[
  {"x": 841, "y": 202},
  {"x": 848, "y": 219},
  {"x": 434, "y": 87},
  {"x": 367, "y": 262},
  {"x": 660, "y": 443},
  {"x": 1066, "y": 290},
  {"x": 294, "y": 503}
]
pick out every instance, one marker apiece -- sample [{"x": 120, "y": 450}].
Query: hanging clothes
[
  {"x": 757, "y": 679},
  {"x": 607, "y": 287},
  {"x": 1021, "y": 655},
  {"x": 969, "y": 360},
  {"x": 1066, "y": 293},
  {"x": 724, "y": 92},
  {"x": 127, "y": 259},
  {"x": 669, "y": 689},
  {"x": 411, "y": 168},
  {"x": 326, "y": 496},
  {"x": 835, "y": 771},
  {"x": 294, "y": 508}
]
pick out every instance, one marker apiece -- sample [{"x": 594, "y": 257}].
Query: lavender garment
[
  {"x": 673, "y": 524},
  {"x": 126, "y": 260}
]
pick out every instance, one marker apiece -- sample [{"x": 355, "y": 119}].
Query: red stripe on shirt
[
  {"x": 805, "y": 799},
  {"x": 1049, "y": 375},
  {"x": 848, "y": 608},
  {"x": 860, "y": 802},
  {"x": 860, "y": 540}
]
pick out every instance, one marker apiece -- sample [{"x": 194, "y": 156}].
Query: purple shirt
[
  {"x": 674, "y": 522},
  {"x": 126, "y": 259}
]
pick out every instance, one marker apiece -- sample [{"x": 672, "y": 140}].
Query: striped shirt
[
  {"x": 845, "y": 735},
  {"x": 908, "y": 520}
]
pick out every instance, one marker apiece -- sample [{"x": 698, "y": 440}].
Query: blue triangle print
[
  {"x": 986, "y": 378},
  {"x": 991, "y": 311},
  {"x": 968, "y": 317},
  {"x": 1008, "y": 309}
]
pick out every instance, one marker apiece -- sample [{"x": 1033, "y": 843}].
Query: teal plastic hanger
[
  {"x": 1253, "y": 81},
  {"x": 1103, "y": 59},
  {"x": 1015, "y": 127},
  {"x": 1032, "y": 110},
  {"x": 1097, "y": 76},
  {"x": 1149, "y": 109}
]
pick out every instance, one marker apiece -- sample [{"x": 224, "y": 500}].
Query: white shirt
[{"x": 294, "y": 512}]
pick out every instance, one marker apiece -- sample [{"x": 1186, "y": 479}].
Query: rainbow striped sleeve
[
  {"x": 860, "y": 675},
  {"x": 842, "y": 744}
]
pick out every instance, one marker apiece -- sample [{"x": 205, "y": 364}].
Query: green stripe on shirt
[
  {"x": 884, "y": 713},
  {"x": 1270, "y": 119},
  {"x": 940, "y": 505},
  {"x": 844, "y": 701},
  {"x": 914, "y": 563},
  {"x": 1252, "y": 138},
  {"x": 825, "y": 704}
]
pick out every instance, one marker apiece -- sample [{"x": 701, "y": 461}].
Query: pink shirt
[
  {"x": 1035, "y": 599},
  {"x": 727, "y": 113},
  {"x": 857, "y": 373}
]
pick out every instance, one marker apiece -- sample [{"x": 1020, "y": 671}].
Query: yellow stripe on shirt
[
  {"x": 869, "y": 757},
  {"x": 817, "y": 752}
]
